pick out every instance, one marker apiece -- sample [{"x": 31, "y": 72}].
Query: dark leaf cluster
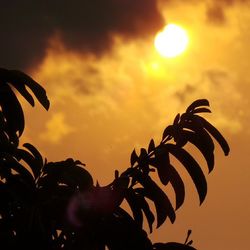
[{"x": 56, "y": 205}]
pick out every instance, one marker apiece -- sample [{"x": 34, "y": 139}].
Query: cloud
[
  {"x": 215, "y": 13},
  {"x": 85, "y": 26},
  {"x": 56, "y": 129},
  {"x": 216, "y": 10}
]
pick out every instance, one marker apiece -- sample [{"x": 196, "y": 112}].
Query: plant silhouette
[{"x": 55, "y": 205}]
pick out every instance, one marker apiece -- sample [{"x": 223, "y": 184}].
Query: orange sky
[{"x": 103, "y": 106}]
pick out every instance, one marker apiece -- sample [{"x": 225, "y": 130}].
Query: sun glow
[{"x": 171, "y": 41}]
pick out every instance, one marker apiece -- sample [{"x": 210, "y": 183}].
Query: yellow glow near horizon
[{"x": 171, "y": 41}]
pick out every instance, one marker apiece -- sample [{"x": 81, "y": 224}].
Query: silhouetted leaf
[
  {"x": 215, "y": 133},
  {"x": 162, "y": 203},
  {"x": 12, "y": 110},
  {"x": 36, "y": 153},
  {"x": 176, "y": 119},
  {"x": 16, "y": 78},
  {"x": 192, "y": 167},
  {"x": 177, "y": 185},
  {"x": 30, "y": 160},
  {"x": 197, "y": 103},
  {"x": 195, "y": 125},
  {"x": 188, "y": 235},
  {"x": 151, "y": 146},
  {"x": 167, "y": 132},
  {"x": 143, "y": 154},
  {"x": 138, "y": 204},
  {"x": 161, "y": 162},
  {"x": 201, "y": 110},
  {"x": 197, "y": 140},
  {"x": 149, "y": 215},
  {"x": 134, "y": 203},
  {"x": 21, "y": 88},
  {"x": 143, "y": 163},
  {"x": 116, "y": 174},
  {"x": 133, "y": 158}
]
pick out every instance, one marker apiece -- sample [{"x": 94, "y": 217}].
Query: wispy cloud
[{"x": 56, "y": 129}]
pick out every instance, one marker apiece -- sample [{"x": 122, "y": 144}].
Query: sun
[{"x": 171, "y": 41}]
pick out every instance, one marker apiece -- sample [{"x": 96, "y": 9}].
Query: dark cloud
[
  {"x": 216, "y": 10},
  {"x": 83, "y": 25},
  {"x": 215, "y": 14}
]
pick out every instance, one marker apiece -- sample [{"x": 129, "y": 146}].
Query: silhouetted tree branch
[{"x": 57, "y": 206}]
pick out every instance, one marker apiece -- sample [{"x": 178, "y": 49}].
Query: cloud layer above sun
[
  {"x": 27, "y": 27},
  {"x": 83, "y": 26}
]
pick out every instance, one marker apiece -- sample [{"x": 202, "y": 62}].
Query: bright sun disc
[{"x": 172, "y": 41}]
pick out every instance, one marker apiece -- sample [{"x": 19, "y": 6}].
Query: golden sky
[{"x": 114, "y": 95}]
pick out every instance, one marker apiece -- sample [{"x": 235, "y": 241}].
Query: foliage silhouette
[{"x": 55, "y": 205}]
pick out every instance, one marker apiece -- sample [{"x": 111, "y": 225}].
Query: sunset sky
[{"x": 111, "y": 92}]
